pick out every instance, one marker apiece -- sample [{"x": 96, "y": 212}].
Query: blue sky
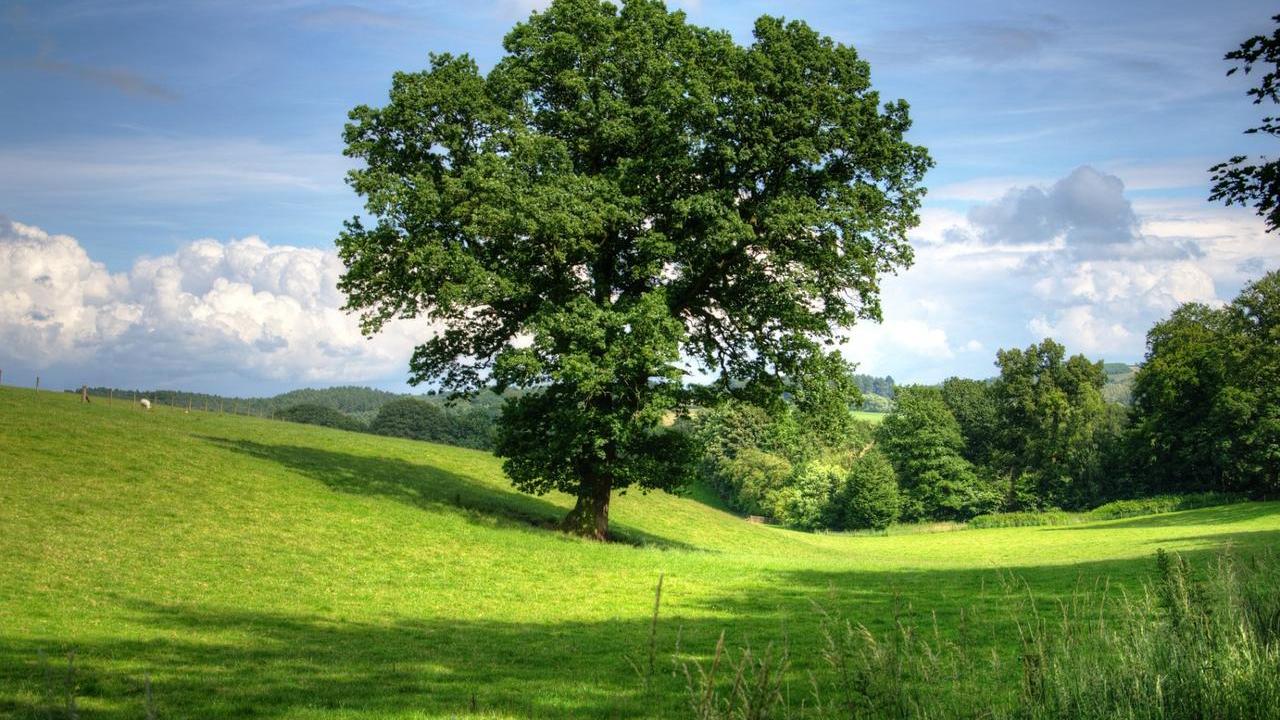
[{"x": 171, "y": 177}]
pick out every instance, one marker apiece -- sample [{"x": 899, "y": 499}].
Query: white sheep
[{"x": 145, "y": 403}]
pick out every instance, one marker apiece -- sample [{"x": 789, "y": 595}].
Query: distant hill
[
  {"x": 349, "y": 399},
  {"x": 361, "y": 403},
  {"x": 1119, "y": 385},
  {"x": 877, "y": 392}
]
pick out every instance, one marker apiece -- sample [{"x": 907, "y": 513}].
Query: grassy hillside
[{"x": 261, "y": 568}]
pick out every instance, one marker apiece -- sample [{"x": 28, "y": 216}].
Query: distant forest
[
  {"x": 467, "y": 422},
  {"x": 432, "y": 416}
]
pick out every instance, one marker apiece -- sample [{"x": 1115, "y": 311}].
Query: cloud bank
[
  {"x": 238, "y": 310},
  {"x": 1075, "y": 259}
]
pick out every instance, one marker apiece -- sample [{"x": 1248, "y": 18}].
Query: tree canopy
[
  {"x": 1207, "y": 399},
  {"x": 315, "y": 414},
  {"x": 1238, "y": 181},
  {"x": 924, "y": 442},
  {"x": 1052, "y": 421},
  {"x": 624, "y": 193}
]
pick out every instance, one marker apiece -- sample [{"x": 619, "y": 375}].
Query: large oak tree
[
  {"x": 624, "y": 194},
  {"x": 1206, "y": 402}
]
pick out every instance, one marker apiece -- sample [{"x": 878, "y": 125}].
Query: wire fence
[{"x": 186, "y": 402}]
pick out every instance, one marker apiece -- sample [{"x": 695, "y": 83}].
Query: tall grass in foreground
[{"x": 1195, "y": 643}]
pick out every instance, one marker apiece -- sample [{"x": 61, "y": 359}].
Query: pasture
[{"x": 253, "y": 567}]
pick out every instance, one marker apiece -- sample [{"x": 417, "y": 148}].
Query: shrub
[
  {"x": 753, "y": 479},
  {"x": 313, "y": 414},
  {"x": 409, "y": 418},
  {"x": 869, "y": 498},
  {"x": 806, "y": 503},
  {"x": 1162, "y": 504},
  {"x": 419, "y": 420},
  {"x": 1111, "y": 511},
  {"x": 922, "y": 439},
  {"x": 1026, "y": 519}
]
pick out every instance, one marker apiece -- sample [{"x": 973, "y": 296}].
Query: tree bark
[{"x": 590, "y": 514}]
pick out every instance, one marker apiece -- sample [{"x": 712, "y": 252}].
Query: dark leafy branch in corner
[{"x": 1237, "y": 181}]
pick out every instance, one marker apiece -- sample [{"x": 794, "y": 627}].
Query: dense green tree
[
  {"x": 824, "y": 399},
  {"x": 314, "y": 414},
  {"x": 1252, "y": 402},
  {"x": 807, "y": 501},
  {"x": 922, "y": 439},
  {"x": 410, "y": 418},
  {"x": 1237, "y": 181},
  {"x": 1053, "y": 424},
  {"x": 748, "y": 456},
  {"x": 422, "y": 420},
  {"x": 869, "y": 497},
  {"x": 973, "y": 404},
  {"x": 1177, "y": 431},
  {"x": 622, "y": 191},
  {"x": 346, "y": 399},
  {"x": 753, "y": 479},
  {"x": 1207, "y": 400},
  {"x": 723, "y": 433},
  {"x": 872, "y": 385}
]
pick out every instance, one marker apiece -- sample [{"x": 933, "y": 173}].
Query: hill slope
[{"x": 255, "y": 567}]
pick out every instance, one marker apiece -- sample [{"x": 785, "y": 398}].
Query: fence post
[
  {"x": 111, "y": 395},
  {"x": 37, "y": 383}
]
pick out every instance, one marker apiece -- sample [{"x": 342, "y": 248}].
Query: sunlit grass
[
  {"x": 875, "y": 418},
  {"x": 252, "y": 566}
]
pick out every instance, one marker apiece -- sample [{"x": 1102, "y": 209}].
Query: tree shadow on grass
[
  {"x": 206, "y": 660},
  {"x": 1219, "y": 515},
  {"x": 223, "y": 662},
  {"x": 425, "y": 486},
  {"x": 212, "y": 661}
]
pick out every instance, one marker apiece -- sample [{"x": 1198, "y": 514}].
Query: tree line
[
  {"x": 1205, "y": 416},
  {"x": 433, "y": 417}
]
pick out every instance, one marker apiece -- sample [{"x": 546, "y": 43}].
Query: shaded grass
[{"x": 262, "y": 568}]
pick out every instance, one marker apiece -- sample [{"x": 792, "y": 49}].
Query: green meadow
[{"x": 252, "y": 567}]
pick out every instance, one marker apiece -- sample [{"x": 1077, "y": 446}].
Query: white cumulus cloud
[
  {"x": 241, "y": 308},
  {"x": 1074, "y": 259}
]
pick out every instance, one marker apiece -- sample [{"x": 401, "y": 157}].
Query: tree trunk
[{"x": 590, "y": 514}]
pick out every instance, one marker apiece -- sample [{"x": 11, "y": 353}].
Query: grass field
[
  {"x": 259, "y": 568},
  {"x": 874, "y": 418}
]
